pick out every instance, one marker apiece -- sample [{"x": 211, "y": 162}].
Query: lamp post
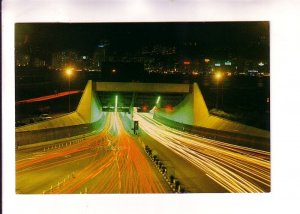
[
  {"x": 218, "y": 77},
  {"x": 69, "y": 72}
]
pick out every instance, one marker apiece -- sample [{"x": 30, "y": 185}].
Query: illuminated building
[
  {"x": 64, "y": 58},
  {"x": 100, "y": 54},
  {"x": 22, "y": 60}
]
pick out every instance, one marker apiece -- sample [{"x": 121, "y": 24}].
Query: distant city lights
[
  {"x": 252, "y": 71},
  {"x": 206, "y": 60},
  {"x": 227, "y": 63},
  {"x": 195, "y": 73}
]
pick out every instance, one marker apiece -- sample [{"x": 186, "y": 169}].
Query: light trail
[
  {"x": 236, "y": 168},
  {"x": 110, "y": 162},
  {"x": 48, "y": 97}
]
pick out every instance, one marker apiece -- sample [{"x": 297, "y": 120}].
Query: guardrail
[
  {"x": 37, "y": 136},
  {"x": 225, "y": 136}
]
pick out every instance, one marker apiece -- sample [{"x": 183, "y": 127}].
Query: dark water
[{"x": 246, "y": 98}]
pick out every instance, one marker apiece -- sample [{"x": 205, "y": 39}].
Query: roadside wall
[
  {"x": 193, "y": 111},
  {"x": 262, "y": 143},
  {"x": 43, "y": 135},
  {"x": 87, "y": 117}
]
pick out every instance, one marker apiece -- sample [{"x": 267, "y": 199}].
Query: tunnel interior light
[
  {"x": 116, "y": 103},
  {"x": 158, "y": 99}
]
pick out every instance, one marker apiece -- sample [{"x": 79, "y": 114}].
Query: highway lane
[
  {"x": 235, "y": 168},
  {"x": 110, "y": 162}
]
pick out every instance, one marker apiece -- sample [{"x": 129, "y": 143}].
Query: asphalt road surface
[
  {"x": 115, "y": 161},
  {"x": 109, "y": 162}
]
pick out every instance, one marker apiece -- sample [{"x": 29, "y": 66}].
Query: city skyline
[{"x": 214, "y": 39}]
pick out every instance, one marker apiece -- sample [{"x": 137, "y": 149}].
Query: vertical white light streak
[
  {"x": 116, "y": 103},
  {"x": 158, "y": 99}
]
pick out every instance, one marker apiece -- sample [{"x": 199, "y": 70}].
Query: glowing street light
[
  {"x": 218, "y": 76},
  {"x": 69, "y": 72}
]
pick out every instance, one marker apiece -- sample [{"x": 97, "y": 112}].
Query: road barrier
[
  {"x": 44, "y": 135},
  {"x": 163, "y": 169}
]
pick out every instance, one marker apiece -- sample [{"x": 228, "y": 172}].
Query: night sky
[{"x": 242, "y": 39}]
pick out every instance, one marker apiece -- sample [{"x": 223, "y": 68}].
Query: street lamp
[
  {"x": 69, "y": 72},
  {"x": 218, "y": 76}
]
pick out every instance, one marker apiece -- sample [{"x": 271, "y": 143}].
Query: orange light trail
[{"x": 113, "y": 163}]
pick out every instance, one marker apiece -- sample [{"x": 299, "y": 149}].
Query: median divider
[{"x": 166, "y": 169}]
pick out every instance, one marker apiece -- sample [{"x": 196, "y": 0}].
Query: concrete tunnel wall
[
  {"x": 82, "y": 120},
  {"x": 193, "y": 111}
]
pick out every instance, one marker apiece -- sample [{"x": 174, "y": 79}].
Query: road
[
  {"x": 109, "y": 162},
  {"x": 114, "y": 161},
  {"x": 231, "y": 168},
  {"x": 49, "y": 97}
]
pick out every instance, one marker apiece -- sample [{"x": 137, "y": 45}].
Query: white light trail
[
  {"x": 116, "y": 103},
  {"x": 236, "y": 168},
  {"x": 158, "y": 99}
]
